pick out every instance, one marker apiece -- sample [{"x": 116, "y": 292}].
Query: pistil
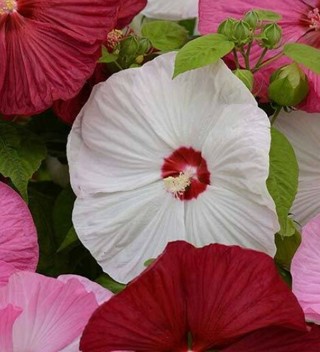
[
  {"x": 314, "y": 17},
  {"x": 177, "y": 185},
  {"x": 7, "y": 6}
]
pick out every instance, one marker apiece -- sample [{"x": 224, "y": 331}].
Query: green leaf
[
  {"x": 282, "y": 182},
  {"x": 201, "y": 52},
  {"x": 286, "y": 248},
  {"x": 69, "y": 241},
  {"x": 189, "y": 25},
  {"x": 268, "y": 16},
  {"x": 165, "y": 35},
  {"x": 21, "y": 154},
  {"x": 107, "y": 282},
  {"x": 304, "y": 54},
  {"x": 107, "y": 57}
]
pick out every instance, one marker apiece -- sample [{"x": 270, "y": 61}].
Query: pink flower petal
[
  {"x": 6, "y": 270},
  {"x": 18, "y": 236},
  {"x": 8, "y": 316},
  {"x": 51, "y": 48},
  {"x": 54, "y": 313},
  {"x": 217, "y": 293},
  {"x": 278, "y": 340},
  {"x": 305, "y": 270}
]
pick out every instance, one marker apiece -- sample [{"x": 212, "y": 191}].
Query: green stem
[
  {"x": 236, "y": 60},
  {"x": 263, "y": 54},
  {"x": 275, "y": 115},
  {"x": 246, "y": 58},
  {"x": 118, "y": 65},
  {"x": 267, "y": 62}
]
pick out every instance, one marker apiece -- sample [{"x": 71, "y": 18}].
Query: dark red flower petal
[
  {"x": 218, "y": 293},
  {"x": 67, "y": 110},
  {"x": 127, "y": 10},
  {"x": 278, "y": 340},
  {"x": 149, "y": 315},
  {"x": 51, "y": 48},
  {"x": 232, "y": 291}
]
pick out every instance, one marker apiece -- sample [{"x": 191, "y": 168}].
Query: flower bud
[
  {"x": 226, "y": 28},
  {"x": 144, "y": 46},
  {"x": 288, "y": 85},
  {"x": 271, "y": 36},
  {"x": 241, "y": 33},
  {"x": 252, "y": 18},
  {"x": 246, "y": 77}
]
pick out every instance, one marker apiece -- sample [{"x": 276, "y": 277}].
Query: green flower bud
[
  {"x": 241, "y": 33},
  {"x": 288, "y": 85},
  {"x": 246, "y": 77},
  {"x": 144, "y": 46},
  {"x": 226, "y": 28},
  {"x": 252, "y": 18},
  {"x": 139, "y": 59},
  {"x": 271, "y": 36}
]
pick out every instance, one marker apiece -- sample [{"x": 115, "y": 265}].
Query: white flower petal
[
  {"x": 171, "y": 9},
  {"x": 139, "y": 116},
  {"x": 222, "y": 216},
  {"x": 303, "y": 131},
  {"x": 125, "y": 229}
]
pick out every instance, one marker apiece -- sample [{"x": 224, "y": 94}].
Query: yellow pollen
[
  {"x": 7, "y": 6},
  {"x": 177, "y": 185}
]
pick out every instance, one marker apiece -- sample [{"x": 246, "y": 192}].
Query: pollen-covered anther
[
  {"x": 177, "y": 185},
  {"x": 314, "y": 17},
  {"x": 7, "y": 6}
]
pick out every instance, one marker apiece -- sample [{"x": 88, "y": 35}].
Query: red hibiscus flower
[
  {"x": 48, "y": 49},
  {"x": 67, "y": 110},
  {"x": 190, "y": 299},
  {"x": 300, "y": 23}
]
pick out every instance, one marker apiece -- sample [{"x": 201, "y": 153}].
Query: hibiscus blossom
[
  {"x": 48, "y": 49},
  {"x": 42, "y": 314},
  {"x": 300, "y": 23},
  {"x": 303, "y": 131},
  {"x": 171, "y": 10},
  {"x": 154, "y": 160},
  {"x": 215, "y": 296},
  {"x": 305, "y": 270},
  {"x": 18, "y": 235}
]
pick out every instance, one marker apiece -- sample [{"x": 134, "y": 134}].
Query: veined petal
[
  {"x": 18, "y": 235},
  {"x": 223, "y": 216},
  {"x": 171, "y": 10},
  {"x": 54, "y": 313},
  {"x": 303, "y": 131},
  {"x": 140, "y": 116},
  {"x": 124, "y": 229},
  {"x": 6, "y": 270},
  {"x": 305, "y": 270},
  {"x": 8, "y": 316},
  {"x": 127, "y": 10},
  {"x": 277, "y": 339}
]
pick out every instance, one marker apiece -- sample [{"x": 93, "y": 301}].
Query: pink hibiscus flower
[
  {"x": 219, "y": 297},
  {"x": 305, "y": 269},
  {"x": 48, "y": 49},
  {"x": 300, "y": 23},
  {"x": 42, "y": 314},
  {"x": 18, "y": 235}
]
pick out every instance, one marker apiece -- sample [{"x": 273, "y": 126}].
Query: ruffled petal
[
  {"x": 155, "y": 299},
  {"x": 124, "y": 229},
  {"x": 305, "y": 271},
  {"x": 278, "y": 340},
  {"x": 6, "y": 270},
  {"x": 51, "y": 49},
  {"x": 144, "y": 116},
  {"x": 171, "y": 10},
  {"x": 223, "y": 216},
  {"x": 18, "y": 235},
  {"x": 54, "y": 313},
  {"x": 303, "y": 131},
  {"x": 8, "y": 316}
]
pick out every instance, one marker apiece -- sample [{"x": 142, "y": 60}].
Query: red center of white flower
[
  {"x": 7, "y": 6},
  {"x": 185, "y": 173},
  {"x": 314, "y": 18}
]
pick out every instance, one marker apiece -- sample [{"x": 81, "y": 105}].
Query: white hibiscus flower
[
  {"x": 303, "y": 131},
  {"x": 154, "y": 160},
  {"x": 171, "y": 9}
]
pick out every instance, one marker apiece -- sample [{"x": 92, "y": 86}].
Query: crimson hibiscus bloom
[
  {"x": 48, "y": 49},
  {"x": 300, "y": 23},
  {"x": 220, "y": 297},
  {"x": 67, "y": 110}
]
